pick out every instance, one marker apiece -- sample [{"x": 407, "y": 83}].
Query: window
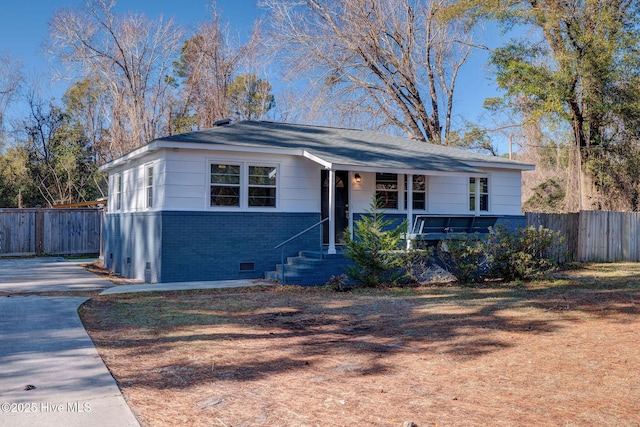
[
  {"x": 262, "y": 186},
  {"x": 149, "y": 186},
  {"x": 243, "y": 186},
  {"x": 118, "y": 192},
  {"x": 479, "y": 194},
  {"x": 387, "y": 190},
  {"x": 419, "y": 192},
  {"x": 225, "y": 185}
]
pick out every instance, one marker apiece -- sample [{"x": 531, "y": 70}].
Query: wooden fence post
[{"x": 39, "y": 232}]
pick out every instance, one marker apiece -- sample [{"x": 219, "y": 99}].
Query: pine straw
[{"x": 562, "y": 352}]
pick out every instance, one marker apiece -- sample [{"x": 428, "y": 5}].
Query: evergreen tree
[{"x": 376, "y": 248}]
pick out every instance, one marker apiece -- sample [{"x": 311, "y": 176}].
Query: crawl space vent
[{"x": 247, "y": 266}]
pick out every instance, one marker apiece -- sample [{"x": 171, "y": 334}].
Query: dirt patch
[
  {"x": 557, "y": 352},
  {"x": 98, "y": 268}
]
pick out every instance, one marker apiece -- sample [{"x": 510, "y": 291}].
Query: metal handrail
[{"x": 283, "y": 244}]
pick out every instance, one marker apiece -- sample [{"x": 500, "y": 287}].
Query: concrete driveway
[
  {"x": 47, "y": 274},
  {"x": 50, "y": 371}
]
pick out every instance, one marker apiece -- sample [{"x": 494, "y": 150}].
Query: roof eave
[
  {"x": 501, "y": 165},
  {"x": 176, "y": 145},
  {"x": 127, "y": 158},
  {"x": 407, "y": 171}
]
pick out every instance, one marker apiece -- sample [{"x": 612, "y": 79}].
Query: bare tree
[
  {"x": 10, "y": 79},
  {"x": 208, "y": 62},
  {"x": 131, "y": 56},
  {"x": 395, "y": 61}
]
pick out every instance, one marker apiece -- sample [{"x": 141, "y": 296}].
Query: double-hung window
[
  {"x": 419, "y": 192},
  {"x": 262, "y": 186},
  {"x": 387, "y": 190},
  {"x": 243, "y": 185},
  {"x": 149, "y": 186},
  {"x": 479, "y": 194},
  {"x": 118, "y": 188},
  {"x": 225, "y": 185}
]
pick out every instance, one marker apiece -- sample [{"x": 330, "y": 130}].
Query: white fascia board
[
  {"x": 135, "y": 154},
  {"x": 359, "y": 168},
  {"x": 497, "y": 165},
  {"x": 232, "y": 148},
  {"x": 156, "y": 145},
  {"x": 318, "y": 160}
]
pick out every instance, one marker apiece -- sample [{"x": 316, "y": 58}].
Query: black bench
[{"x": 438, "y": 227}]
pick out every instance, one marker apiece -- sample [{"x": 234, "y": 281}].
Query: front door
[{"x": 341, "y": 205}]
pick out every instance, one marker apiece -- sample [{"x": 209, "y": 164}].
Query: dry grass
[{"x": 557, "y": 352}]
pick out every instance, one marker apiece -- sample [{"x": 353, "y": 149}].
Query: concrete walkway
[
  {"x": 182, "y": 286},
  {"x": 50, "y": 371}
]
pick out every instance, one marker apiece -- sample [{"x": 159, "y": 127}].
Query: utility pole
[{"x": 510, "y": 146}]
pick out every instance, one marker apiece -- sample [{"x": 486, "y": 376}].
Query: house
[{"x": 213, "y": 204}]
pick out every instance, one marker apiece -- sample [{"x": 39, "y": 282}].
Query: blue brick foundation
[{"x": 191, "y": 246}]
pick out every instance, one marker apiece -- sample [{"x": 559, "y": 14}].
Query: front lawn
[{"x": 564, "y": 352}]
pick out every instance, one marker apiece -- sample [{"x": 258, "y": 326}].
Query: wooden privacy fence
[
  {"x": 594, "y": 235},
  {"x": 50, "y": 231}
]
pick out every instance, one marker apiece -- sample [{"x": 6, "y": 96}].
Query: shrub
[
  {"x": 464, "y": 256},
  {"x": 338, "y": 283},
  {"x": 523, "y": 254},
  {"x": 417, "y": 263},
  {"x": 506, "y": 254},
  {"x": 375, "y": 250}
]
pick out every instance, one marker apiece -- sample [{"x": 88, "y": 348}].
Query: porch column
[
  {"x": 332, "y": 212},
  {"x": 409, "y": 178}
]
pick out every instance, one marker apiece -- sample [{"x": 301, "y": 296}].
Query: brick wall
[
  {"x": 192, "y": 246},
  {"x": 132, "y": 245}
]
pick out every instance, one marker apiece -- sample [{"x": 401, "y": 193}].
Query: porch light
[{"x": 358, "y": 177}]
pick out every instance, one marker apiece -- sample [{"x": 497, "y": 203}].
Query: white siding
[
  {"x": 300, "y": 185},
  {"x": 185, "y": 185},
  {"x": 505, "y": 192},
  {"x": 133, "y": 184},
  {"x": 448, "y": 195},
  {"x": 362, "y": 192},
  {"x": 188, "y": 179},
  {"x": 182, "y": 183}
]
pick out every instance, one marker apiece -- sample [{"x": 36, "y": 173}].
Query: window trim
[
  {"x": 118, "y": 191},
  {"x": 391, "y": 190},
  {"x": 149, "y": 185},
  {"x": 425, "y": 192},
  {"x": 477, "y": 194},
  {"x": 244, "y": 165},
  {"x": 249, "y": 165},
  {"x": 239, "y": 185}
]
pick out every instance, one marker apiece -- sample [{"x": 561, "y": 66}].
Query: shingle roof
[{"x": 344, "y": 146}]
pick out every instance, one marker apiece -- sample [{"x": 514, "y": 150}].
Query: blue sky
[
  {"x": 24, "y": 28},
  {"x": 24, "y": 23}
]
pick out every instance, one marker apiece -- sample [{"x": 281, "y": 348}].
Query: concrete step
[
  {"x": 309, "y": 268},
  {"x": 304, "y": 261}
]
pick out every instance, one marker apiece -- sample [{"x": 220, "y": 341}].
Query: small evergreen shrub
[
  {"x": 523, "y": 254},
  {"x": 464, "y": 256},
  {"x": 510, "y": 255},
  {"x": 376, "y": 248}
]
